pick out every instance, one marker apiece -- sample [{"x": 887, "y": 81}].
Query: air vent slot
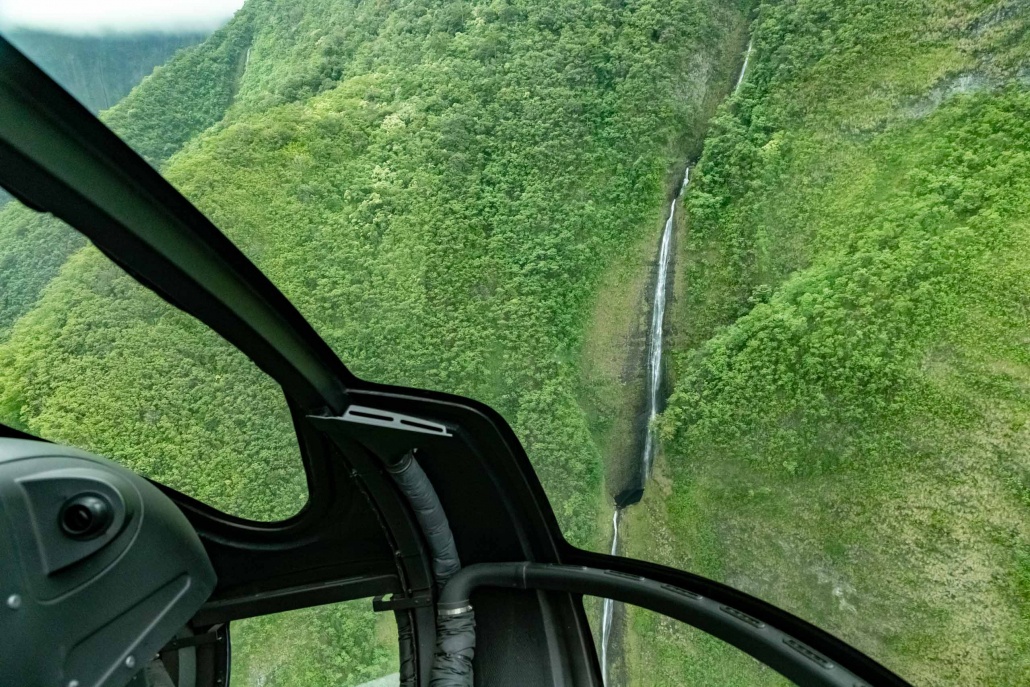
[
  {"x": 627, "y": 576},
  {"x": 808, "y": 652},
  {"x": 423, "y": 425},
  {"x": 682, "y": 592},
  {"x": 741, "y": 616},
  {"x": 370, "y": 416},
  {"x": 384, "y": 418}
]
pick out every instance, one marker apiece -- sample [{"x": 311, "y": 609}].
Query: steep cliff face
[
  {"x": 848, "y": 435},
  {"x": 100, "y": 70}
]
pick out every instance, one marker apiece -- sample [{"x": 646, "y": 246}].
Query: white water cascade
[
  {"x": 654, "y": 382},
  {"x": 609, "y": 605},
  {"x": 743, "y": 69}
]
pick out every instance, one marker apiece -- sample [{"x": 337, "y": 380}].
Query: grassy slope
[
  {"x": 438, "y": 186},
  {"x": 849, "y": 433}
]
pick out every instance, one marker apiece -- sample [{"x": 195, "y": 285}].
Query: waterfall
[
  {"x": 743, "y": 69},
  {"x": 654, "y": 383},
  {"x": 654, "y": 353},
  {"x": 609, "y": 605}
]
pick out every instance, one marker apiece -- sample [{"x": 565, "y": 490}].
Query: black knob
[{"x": 86, "y": 516}]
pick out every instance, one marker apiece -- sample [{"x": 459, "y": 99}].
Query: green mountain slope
[
  {"x": 458, "y": 178},
  {"x": 849, "y": 435},
  {"x": 439, "y": 186},
  {"x": 98, "y": 70},
  {"x": 446, "y": 189}
]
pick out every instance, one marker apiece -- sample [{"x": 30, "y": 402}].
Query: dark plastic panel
[{"x": 89, "y": 611}]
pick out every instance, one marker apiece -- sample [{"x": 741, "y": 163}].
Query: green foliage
[
  {"x": 185, "y": 96},
  {"x": 441, "y": 187},
  {"x": 32, "y": 250},
  {"x": 462, "y": 190},
  {"x": 341, "y": 645},
  {"x": 852, "y": 390},
  {"x": 663, "y": 652},
  {"x": 102, "y": 363}
]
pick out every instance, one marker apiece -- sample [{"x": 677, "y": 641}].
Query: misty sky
[{"x": 103, "y": 16}]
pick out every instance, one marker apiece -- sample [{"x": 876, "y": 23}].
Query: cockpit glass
[
  {"x": 90, "y": 358},
  {"x": 749, "y": 282}
]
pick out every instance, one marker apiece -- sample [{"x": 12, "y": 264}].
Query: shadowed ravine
[
  {"x": 654, "y": 377},
  {"x": 632, "y": 494}
]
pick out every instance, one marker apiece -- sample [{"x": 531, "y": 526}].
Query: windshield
[
  {"x": 92, "y": 359},
  {"x": 748, "y": 280}
]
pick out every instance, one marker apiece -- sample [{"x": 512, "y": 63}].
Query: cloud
[{"x": 116, "y": 16}]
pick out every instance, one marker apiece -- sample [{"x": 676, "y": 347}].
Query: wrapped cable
[
  {"x": 417, "y": 488},
  {"x": 406, "y": 642},
  {"x": 455, "y": 628},
  {"x": 455, "y": 647}
]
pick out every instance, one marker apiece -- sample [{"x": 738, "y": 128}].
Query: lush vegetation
[
  {"x": 324, "y": 645},
  {"x": 849, "y": 432},
  {"x": 459, "y": 175},
  {"x": 441, "y": 187}
]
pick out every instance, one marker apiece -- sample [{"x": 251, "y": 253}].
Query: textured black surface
[{"x": 89, "y": 612}]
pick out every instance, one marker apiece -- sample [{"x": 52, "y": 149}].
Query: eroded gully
[{"x": 654, "y": 379}]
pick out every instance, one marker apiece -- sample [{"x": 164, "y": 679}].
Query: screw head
[
  {"x": 73, "y": 683},
  {"x": 14, "y": 602},
  {"x": 130, "y": 662}
]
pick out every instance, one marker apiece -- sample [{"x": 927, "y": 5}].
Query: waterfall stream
[
  {"x": 743, "y": 69},
  {"x": 609, "y": 605},
  {"x": 654, "y": 382}
]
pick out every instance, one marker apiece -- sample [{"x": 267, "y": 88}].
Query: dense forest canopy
[{"x": 467, "y": 196}]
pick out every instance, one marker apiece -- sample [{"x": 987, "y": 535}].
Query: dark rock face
[{"x": 628, "y": 497}]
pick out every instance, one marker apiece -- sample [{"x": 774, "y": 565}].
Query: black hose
[
  {"x": 456, "y": 621},
  {"x": 455, "y": 633},
  {"x": 419, "y": 492},
  {"x": 456, "y": 594},
  {"x": 455, "y": 647},
  {"x": 787, "y": 655}
]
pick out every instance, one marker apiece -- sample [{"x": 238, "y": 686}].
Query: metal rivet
[
  {"x": 130, "y": 662},
  {"x": 14, "y": 602}
]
